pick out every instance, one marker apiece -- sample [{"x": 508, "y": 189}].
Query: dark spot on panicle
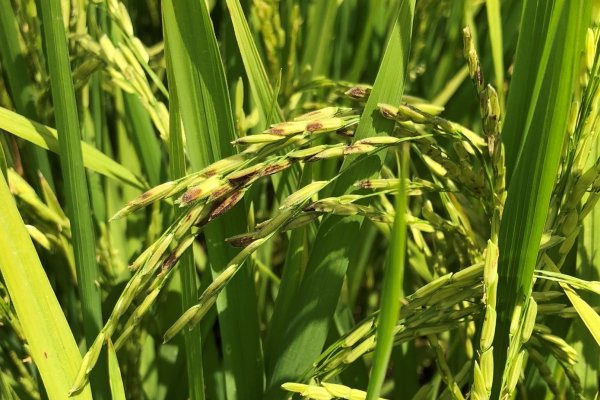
[
  {"x": 169, "y": 262},
  {"x": 348, "y": 132},
  {"x": 314, "y": 126},
  {"x": 208, "y": 173},
  {"x": 240, "y": 241},
  {"x": 365, "y": 184},
  {"x": 218, "y": 193},
  {"x": 145, "y": 195},
  {"x": 45, "y": 355},
  {"x": 357, "y": 92},
  {"x": 239, "y": 181},
  {"x": 243, "y": 176},
  {"x": 387, "y": 114},
  {"x": 226, "y": 205},
  {"x": 310, "y": 207},
  {"x": 275, "y": 131},
  {"x": 273, "y": 169},
  {"x": 191, "y": 195},
  {"x": 351, "y": 149}
]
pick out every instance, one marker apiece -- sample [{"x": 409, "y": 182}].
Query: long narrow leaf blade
[
  {"x": 392, "y": 288},
  {"x": 307, "y": 330},
  {"x": 75, "y": 182},
  {"x": 117, "y": 390},
  {"x": 536, "y": 168},
  {"x": 19, "y": 81},
  {"x": 257, "y": 75},
  {"x": 51, "y": 343},
  {"x": 495, "y": 25},
  {"x": 588, "y": 315},
  {"x": 187, "y": 270},
  {"x": 207, "y": 118},
  {"x": 47, "y": 138}
]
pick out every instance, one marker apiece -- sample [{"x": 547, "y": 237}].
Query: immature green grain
[
  {"x": 20, "y": 188},
  {"x": 529, "y": 320},
  {"x": 447, "y": 375},
  {"x": 461, "y": 200},
  {"x": 135, "y": 317},
  {"x": 488, "y": 329},
  {"x": 323, "y": 113},
  {"x": 39, "y": 237},
  {"x": 439, "y": 316},
  {"x": 479, "y": 390},
  {"x": 358, "y": 333},
  {"x": 303, "y": 194},
  {"x": 156, "y": 193},
  {"x": 540, "y": 363},
  {"x": 257, "y": 138},
  {"x": 123, "y": 66},
  {"x": 157, "y": 254},
  {"x": 326, "y": 391},
  {"x": 308, "y": 391},
  {"x": 431, "y": 287},
  {"x": 513, "y": 374},
  {"x": 486, "y": 360},
  {"x": 560, "y": 348},
  {"x": 591, "y": 286},
  {"x": 88, "y": 362},
  {"x": 490, "y": 113},
  {"x": 140, "y": 280},
  {"x": 408, "y": 113},
  {"x": 193, "y": 315}
]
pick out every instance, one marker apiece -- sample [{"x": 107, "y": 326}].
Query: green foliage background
[{"x": 423, "y": 226}]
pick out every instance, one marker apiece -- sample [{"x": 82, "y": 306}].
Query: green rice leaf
[
  {"x": 201, "y": 88},
  {"x": 5, "y": 390},
  {"x": 117, "y": 390},
  {"x": 257, "y": 76},
  {"x": 260, "y": 87},
  {"x": 305, "y": 334},
  {"x": 74, "y": 179},
  {"x": 392, "y": 286},
  {"x": 187, "y": 271},
  {"x": 146, "y": 143},
  {"x": 47, "y": 138},
  {"x": 541, "y": 132},
  {"x": 495, "y": 25},
  {"x": 317, "y": 49},
  {"x": 20, "y": 84},
  {"x": 51, "y": 343},
  {"x": 588, "y": 315},
  {"x": 589, "y": 269}
]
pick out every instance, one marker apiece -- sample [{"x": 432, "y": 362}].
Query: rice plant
[{"x": 277, "y": 199}]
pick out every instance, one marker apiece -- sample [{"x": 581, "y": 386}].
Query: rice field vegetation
[{"x": 286, "y": 199}]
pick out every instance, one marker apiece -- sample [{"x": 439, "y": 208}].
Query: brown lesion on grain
[
  {"x": 191, "y": 195},
  {"x": 226, "y": 205},
  {"x": 274, "y": 168},
  {"x": 275, "y": 131},
  {"x": 314, "y": 126},
  {"x": 240, "y": 241}
]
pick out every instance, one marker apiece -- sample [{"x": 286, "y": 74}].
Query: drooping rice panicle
[
  {"x": 303, "y": 168},
  {"x": 326, "y": 391}
]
